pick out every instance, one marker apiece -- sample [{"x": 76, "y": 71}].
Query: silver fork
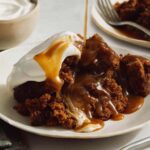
[{"x": 109, "y": 14}]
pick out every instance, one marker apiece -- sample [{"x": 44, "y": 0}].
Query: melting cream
[
  {"x": 90, "y": 128},
  {"x": 45, "y": 60},
  {"x": 51, "y": 59}
]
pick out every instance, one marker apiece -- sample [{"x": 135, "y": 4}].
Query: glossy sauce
[
  {"x": 134, "y": 104},
  {"x": 81, "y": 97},
  {"x": 78, "y": 95},
  {"x": 85, "y": 20},
  {"x": 50, "y": 61},
  {"x": 116, "y": 115}
]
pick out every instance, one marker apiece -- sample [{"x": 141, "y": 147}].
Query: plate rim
[{"x": 22, "y": 126}]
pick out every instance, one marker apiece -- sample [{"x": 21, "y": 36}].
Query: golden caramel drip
[
  {"x": 117, "y": 117},
  {"x": 50, "y": 61},
  {"x": 92, "y": 122},
  {"x": 134, "y": 104},
  {"x": 85, "y": 20}
]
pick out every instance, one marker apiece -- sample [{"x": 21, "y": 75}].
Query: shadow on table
[{"x": 42, "y": 143}]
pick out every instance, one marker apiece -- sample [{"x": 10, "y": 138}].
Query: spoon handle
[
  {"x": 4, "y": 140},
  {"x": 15, "y": 136}
]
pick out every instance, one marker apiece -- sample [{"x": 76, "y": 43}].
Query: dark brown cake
[
  {"x": 135, "y": 10},
  {"x": 98, "y": 57}
]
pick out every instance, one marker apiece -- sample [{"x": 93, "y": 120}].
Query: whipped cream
[
  {"x": 28, "y": 69},
  {"x": 11, "y": 9}
]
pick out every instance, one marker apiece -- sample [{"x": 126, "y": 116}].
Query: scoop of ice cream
[{"x": 28, "y": 68}]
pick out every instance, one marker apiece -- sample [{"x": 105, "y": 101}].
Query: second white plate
[{"x": 102, "y": 24}]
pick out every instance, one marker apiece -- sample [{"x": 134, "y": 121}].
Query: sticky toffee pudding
[
  {"x": 96, "y": 86},
  {"x": 137, "y": 11}
]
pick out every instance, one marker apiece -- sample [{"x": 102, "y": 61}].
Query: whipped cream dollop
[
  {"x": 11, "y": 9},
  {"x": 28, "y": 69}
]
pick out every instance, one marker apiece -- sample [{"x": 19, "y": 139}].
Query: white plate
[
  {"x": 100, "y": 22},
  {"x": 8, "y": 114}
]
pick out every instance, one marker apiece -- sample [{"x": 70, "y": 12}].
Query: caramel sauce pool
[
  {"x": 117, "y": 117},
  {"x": 134, "y": 104},
  {"x": 93, "y": 121}
]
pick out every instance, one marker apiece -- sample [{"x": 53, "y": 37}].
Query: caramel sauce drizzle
[
  {"x": 50, "y": 61},
  {"x": 93, "y": 121},
  {"x": 134, "y": 104},
  {"x": 85, "y": 20},
  {"x": 116, "y": 115}
]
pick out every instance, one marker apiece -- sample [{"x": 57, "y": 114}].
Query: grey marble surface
[{"x": 60, "y": 15}]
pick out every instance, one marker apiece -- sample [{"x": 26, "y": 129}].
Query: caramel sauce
[
  {"x": 85, "y": 20},
  {"x": 92, "y": 122},
  {"x": 50, "y": 61},
  {"x": 81, "y": 98},
  {"x": 117, "y": 117},
  {"x": 97, "y": 121},
  {"x": 134, "y": 104}
]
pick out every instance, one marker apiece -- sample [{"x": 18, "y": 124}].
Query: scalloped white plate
[
  {"x": 8, "y": 114},
  {"x": 100, "y": 22}
]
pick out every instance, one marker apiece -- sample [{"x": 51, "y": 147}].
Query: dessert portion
[
  {"x": 137, "y": 11},
  {"x": 78, "y": 85}
]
